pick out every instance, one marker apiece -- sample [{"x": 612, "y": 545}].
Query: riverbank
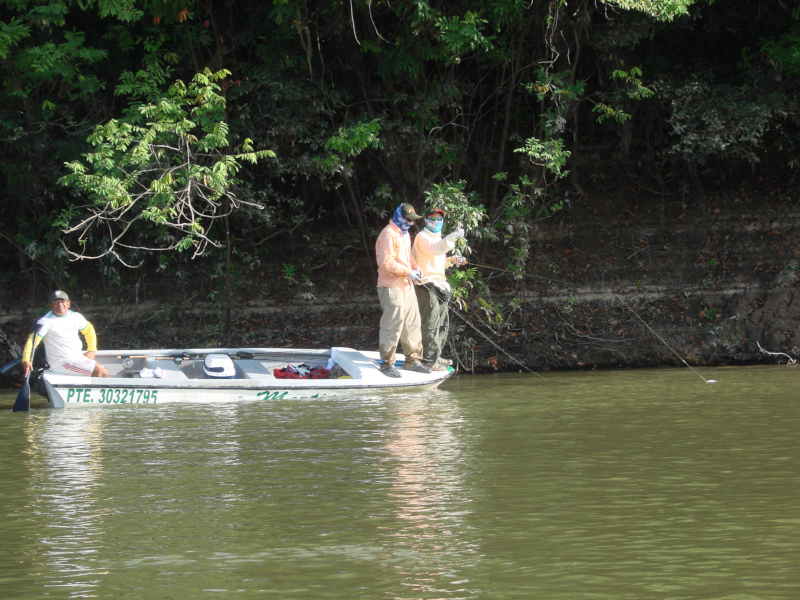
[{"x": 634, "y": 282}]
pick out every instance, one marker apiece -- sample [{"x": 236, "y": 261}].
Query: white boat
[{"x": 229, "y": 374}]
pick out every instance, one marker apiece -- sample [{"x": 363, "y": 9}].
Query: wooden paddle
[{"x": 23, "y": 402}]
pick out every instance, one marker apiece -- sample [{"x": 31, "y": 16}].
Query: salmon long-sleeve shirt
[
  {"x": 430, "y": 251},
  {"x": 395, "y": 262}
]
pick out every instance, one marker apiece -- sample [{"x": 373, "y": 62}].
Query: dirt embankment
[{"x": 638, "y": 283}]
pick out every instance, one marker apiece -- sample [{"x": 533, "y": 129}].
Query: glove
[
  {"x": 415, "y": 275},
  {"x": 457, "y": 234}
]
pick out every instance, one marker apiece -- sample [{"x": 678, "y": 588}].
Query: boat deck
[{"x": 261, "y": 367}]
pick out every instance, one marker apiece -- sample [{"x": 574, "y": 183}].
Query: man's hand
[
  {"x": 415, "y": 275},
  {"x": 27, "y": 367},
  {"x": 456, "y": 234}
]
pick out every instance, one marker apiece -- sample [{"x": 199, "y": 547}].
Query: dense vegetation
[{"x": 146, "y": 133}]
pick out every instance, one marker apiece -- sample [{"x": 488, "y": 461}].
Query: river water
[{"x": 582, "y": 486}]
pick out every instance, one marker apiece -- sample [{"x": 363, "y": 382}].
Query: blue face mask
[
  {"x": 434, "y": 226},
  {"x": 399, "y": 220}
]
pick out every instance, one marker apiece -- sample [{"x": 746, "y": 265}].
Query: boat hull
[{"x": 182, "y": 380}]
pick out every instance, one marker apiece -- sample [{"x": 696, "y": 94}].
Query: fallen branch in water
[{"x": 791, "y": 360}]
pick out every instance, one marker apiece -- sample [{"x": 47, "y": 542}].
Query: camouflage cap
[{"x": 408, "y": 211}]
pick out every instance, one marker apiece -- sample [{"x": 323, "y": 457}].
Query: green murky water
[{"x": 608, "y": 486}]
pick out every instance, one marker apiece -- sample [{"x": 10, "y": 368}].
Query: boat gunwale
[
  {"x": 60, "y": 381},
  {"x": 371, "y": 382}
]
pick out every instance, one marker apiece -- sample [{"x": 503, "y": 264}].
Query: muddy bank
[{"x": 638, "y": 283}]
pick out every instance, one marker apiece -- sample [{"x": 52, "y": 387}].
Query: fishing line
[
  {"x": 629, "y": 308},
  {"x": 478, "y": 331},
  {"x": 508, "y": 272},
  {"x": 665, "y": 343}
]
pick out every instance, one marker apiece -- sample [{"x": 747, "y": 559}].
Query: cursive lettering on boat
[{"x": 272, "y": 395}]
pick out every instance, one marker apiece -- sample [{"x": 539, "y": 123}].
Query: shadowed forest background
[{"x": 215, "y": 173}]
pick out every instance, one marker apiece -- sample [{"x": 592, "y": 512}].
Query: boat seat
[
  {"x": 356, "y": 364},
  {"x": 115, "y": 369},
  {"x": 252, "y": 369},
  {"x": 171, "y": 370}
]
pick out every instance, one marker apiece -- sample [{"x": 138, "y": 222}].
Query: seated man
[{"x": 58, "y": 329}]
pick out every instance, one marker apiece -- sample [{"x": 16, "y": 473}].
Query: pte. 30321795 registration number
[{"x": 111, "y": 396}]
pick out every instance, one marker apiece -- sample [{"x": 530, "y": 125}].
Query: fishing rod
[
  {"x": 621, "y": 300},
  {"x": 665, "y": 343},
  {"x": 478, "y": 331}
]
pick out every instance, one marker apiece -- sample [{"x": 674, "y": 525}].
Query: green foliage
[
  {"x": 348, "y": 142},
  {"x": 289, "y": 271},
  {"x": 662, "y": 10},
  {"x": 491, "y": 310},
  {"x": 170, "y": 167},
  {"x": 466, "y": 209},
  {"x": 525, "y": 202},
  {"x": 290, "y": 116},
  {"x": 460, "y": 206},
  {"x": 557, "y": 91},
  {"x": 633, "y": 83},
  {"x": 785, "y": 50},
  {"x": 11, "y": 34},
  {"x": 550, "y": 155},
  {"x": 354, "y": 139},
  {"x": 142, "y": 87},
  {"x": 529, "y": 200},
  {"x": 461, "y": 283},
  {"x": 359, "y": 99},
  {"x": 462, "y": 35},
  {"x": 569, "y": 305},
  {"x": 721, "y": 121},
  {"x": 523, "y": 205},
  {"x": 47, "y": 61},
  {"x": 632, "y": 90}
]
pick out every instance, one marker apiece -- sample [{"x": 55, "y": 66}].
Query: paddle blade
[{"x": 23, "y": 402}]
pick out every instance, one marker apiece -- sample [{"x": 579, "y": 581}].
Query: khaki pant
[
  {"x": 435, "y": 324},
  {"x": 399, "y": 324}
]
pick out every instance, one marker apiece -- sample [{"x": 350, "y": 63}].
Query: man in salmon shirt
[
  {"x": 433, "y": 290},
  {"x": 397, "y": 270}
]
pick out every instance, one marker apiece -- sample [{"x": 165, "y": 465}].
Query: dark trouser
[{"x": 435, "y": 324}]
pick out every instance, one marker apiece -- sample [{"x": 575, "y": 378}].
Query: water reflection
[
  {"x": 426, "y": 472},
  {"x": 98, "y": 477},
  {"x": 68, "y": 467}
]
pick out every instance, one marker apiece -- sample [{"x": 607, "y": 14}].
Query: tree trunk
[
  {"x": 512, "y": 82},
  {"x": 226, "y": 327}
]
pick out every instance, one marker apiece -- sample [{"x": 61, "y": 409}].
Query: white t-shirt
[{"x": 60, "y": 335}]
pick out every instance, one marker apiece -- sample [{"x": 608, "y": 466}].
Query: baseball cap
[
  {"x": 434, "y": 211},
  {"x": 408, "y": 212},
  {"x": 59, "y": 295}
]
